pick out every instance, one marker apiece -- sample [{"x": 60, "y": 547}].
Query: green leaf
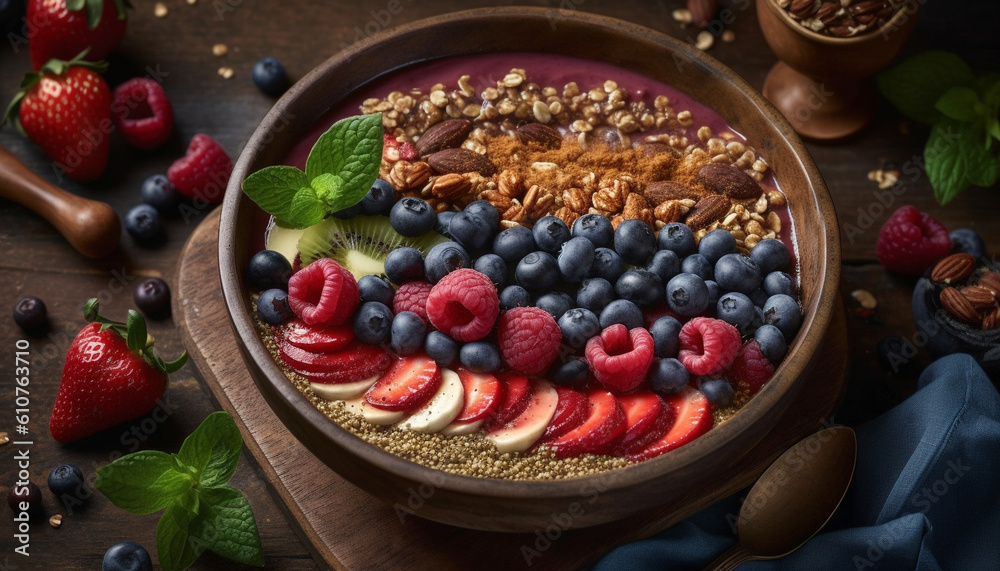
[
  {"x": 175, "y": 545},
  {"x": 136, "y": 331},
  {"x": 956, "y": 158},
  {"x": 213, "y": 450},
  {"x": 993, "y": 127},
  {"x": 959, "y": 103},
  {"x": 981, "y": 167},
  {"x": 229, "y": 527},
  {"x": 143, "y": 482},
  {"x": 305, "y": 209},
  {"x": 273, "y": 188},
  {"x": 171, "y": 367},
  {"x": 327, "y": 186},
  {"x": 95, "y": 9},
  {"x": 352, "y": 150},
  {"x": 915, "y": 85},
  {"x": 991, "y": 96}
]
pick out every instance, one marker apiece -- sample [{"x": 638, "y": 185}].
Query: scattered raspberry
[
  {"x": 708, "y": 345},
  {"x": 323, "y": 293},
  {"x": 407, "y": 152},
  {"x": 751, "y": 367},
  {"x": 910, "y": 241},
  {"x": 463, "y": 305},
  {"x": 412, "y": 296},
  {"x": 203, "y": 173},
  {"x": 529, "y": 339},
  {"x": 142, "y": 113},
  {"x": 620, "y": 357}
]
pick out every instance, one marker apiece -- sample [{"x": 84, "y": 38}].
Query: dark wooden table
[{"x": 35, "y": 260}]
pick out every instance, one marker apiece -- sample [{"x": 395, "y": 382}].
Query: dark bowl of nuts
[{"x": 592, "y": 258}]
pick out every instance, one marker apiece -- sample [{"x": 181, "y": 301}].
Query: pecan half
[
  {"x": 800, "y": 9},
  {"x": 954, "y": 268},
  {"x": 669, "y": 211},
  {"x": 992, "y": 319},
  {"x": 409, "y": 176},
  {"x": 576, "y": 199},
  {"x": 958, "y": 306},
  {"x": 990, "y": 280},
  {"x": 450, "y": 185},
  {"x": 980, "y": 297}
]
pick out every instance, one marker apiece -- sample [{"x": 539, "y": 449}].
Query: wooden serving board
[{"x": 350, "y": 529}]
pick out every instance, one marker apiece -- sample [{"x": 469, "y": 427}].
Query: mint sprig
[
  {"x": 937, "y": 88},
  {"x": 199, "y": 510},
  {"x": 341, "y": 167}
]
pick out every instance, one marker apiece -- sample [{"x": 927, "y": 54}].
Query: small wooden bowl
[
  {"x": 820, "y": 83},
  {"x": 501, "y": 505}
]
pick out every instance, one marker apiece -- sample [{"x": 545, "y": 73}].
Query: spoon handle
[{"x": 730, "y": 559}]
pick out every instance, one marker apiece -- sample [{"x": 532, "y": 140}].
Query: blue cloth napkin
[{"x": 925, "y": 496}]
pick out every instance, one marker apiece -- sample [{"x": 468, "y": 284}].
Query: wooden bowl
[{"x": 528, "y": 505}]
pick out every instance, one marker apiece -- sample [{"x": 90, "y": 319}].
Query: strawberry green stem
[
  {"x": 52, "y": 67},
  {"x": 138, "y": 340}
]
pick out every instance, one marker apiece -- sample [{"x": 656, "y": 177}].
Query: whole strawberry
[
  {"x": 63, "y": 28},
  {"x": 65, "y": 108},
  {"x": 111, "y": 375}
]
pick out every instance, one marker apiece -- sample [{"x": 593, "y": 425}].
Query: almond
[
  {"x": 540, "y": 134},
  {"x": 728, "y": 180},
  {"x": 707, "y": 210},
  {"x": 956, "y": 304},
  {"x": 460, "y": 161},
  {"x": 953, "y": 269},
  {"x": 657, "y": 192},
  {"x": 992, "y": 319},
  {"x": 444, "y": 135},
  {"x": 653, "y": 149},
  {"x": 980, "y": 297},
  {"x": 991, "y": 281}
]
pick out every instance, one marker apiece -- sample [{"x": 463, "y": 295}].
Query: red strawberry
[
  {"x": 407, "y": 385},
  {"x": 111, "y": 375},
  {"x": 663, "y": 423},
  {"x": 571, "y": 411},
  {"x": 315, "y": 339},
  {"x": 642, "y": 409},
  {"x": 516, "y": 396},
  {"x": 65, "y": 109},
  {"x": 604, "y": 425},
  {"x": 142, "y": 113},
  {"x": 354, "y": 362},
  {"x": 61, "y": 29},
  {"x": 202, "y": 174},
  {"x": 483, "y": 393},
  {"x": 693, "y": 418}
]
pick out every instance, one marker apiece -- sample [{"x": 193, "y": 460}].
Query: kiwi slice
[
  {"x": 283, "y": 240},
  {"x": 360, "y": 244}
]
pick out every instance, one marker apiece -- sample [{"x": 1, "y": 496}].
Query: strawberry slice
[
  {"x": 571, "y": 411},
  {"x": 694, "y": 418},
  {"x": 663, "y": 423},
  {"x": 355, "y": 362},
  {"x": 641, "y": 412},
  {"x": 408, "y": 384},
  {"x": 516, "y": 396},
  {"x": 483, "y": 393},
  {"x": 604, "y": 425},
  {"x": 526, "y": 428},
  {"x": 316, "y": 339}
]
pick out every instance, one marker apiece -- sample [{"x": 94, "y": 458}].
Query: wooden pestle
[{"x": 91, "y": 227}]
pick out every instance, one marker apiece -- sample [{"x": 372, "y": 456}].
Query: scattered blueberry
[
  {"x": 479, "y": 356},
  {"x": 550, "y": 232},
  {"x": 635, "y": 241},
  {"x": 895, "y": 353},
  {"x": 404, "y": 264},
  {"x": 687, "y": 294},
  {"x": 445, "y": 258},
  {"x": 676, "y": 237},
  {"x": 607, "y": 264},
  {"x": 575, "y": 259},
  {"x": 783, "y": 312},
  {"x": 665, "y": 332},
  {"x": 595, "y": 294},
  {"x": 67, "y": 483},
  {"x": 772, "y": 343},
  {"x": 578, "y": 325},
  {"x": 273, "y": 308},
  {"x": 372, "y": 287},
  {"x": 668, "y": 376},
  {"x": 573, "y": 373},
  {"x": 372, "y": 323},
  {"x": 441, "y": 348},
  {"x": 487, "y": 212},
  {"x": 737, "y": 310},
  {"x": 347, "y": 213},
  {"x": 143, "y": 224},
  {"x": 779, "y": 282},
  {"x": 698, "y": 265},
  {"x": 31, "y": 315},
  {"x": 379, "y": 199},
  {"x": 595, "y": 228},
  {"x": 127, "y": 556},
  {"x": 736, "y": 272},
  {"x": 716, "y": 244},
  {"x": 470, "y": 230},
  {"x": 968, "y": 241},
  {"x": 555, "y": 303},
  {"x": 412, "y": 217},
  {"x": 641, "y": 287},
  {"x": 493, "y": 267},
  {"x": 514, "y": 296},
  {"x": 268, "y": 269},
  {"x": 269, "y": 76},
  {"x": 407, "y": 333},
  {"x": 158, "y": 192},
  {"x": 513, "y": 244},
  {"x": 537, "y": 272},
  {"x": 152, "y": 297},
  {"x": 770, "y": 255},
  {"x": 664, "y": 264},
  {"x": 718, "y": 391},
  {"x": 621, "y": 311}
]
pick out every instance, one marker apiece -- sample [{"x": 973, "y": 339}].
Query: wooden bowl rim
[
  {"x": 817, "y": 315},
  {"x": 787, "y": 19}
]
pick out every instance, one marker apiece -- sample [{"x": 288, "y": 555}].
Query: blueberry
[
  {"x": 493, "y": 267},
  {"x": 772, "y": 343},
  {"x": 514, "y": 296},
  {"x": 127, "y": 556},
  {"x": 347, "y": 213},
  {"x": 376, "y": 288},
  {"x": 407, "y": 333},
  {"x": 269, "y": 76},
  {"x": 968, "y": 241},
  {"x": 595, "y": 228},
  {"x": 441, "y": 348},
  {"x": 158, "y": 192},
  {"x": 67, "y": 483},
  {"x": 443, "y": 221},
  {"x": 666, "y": 340},
  {"x": 716, "y": 244},
  {"x": 536, "y": 272},
  {"x": 152, "y": 297},
  {"x": 783, "y": 312},
  {"x": 404, "y": 264},
  {"x": 31, "y": 315},
  {"x": 487, "y": 212},
  {"x": 479, "y": 356},
  {"x": 641, "y": 287},
  {"x": 687, "y": 295},
  {"x": 664, "y": 264},
  {"x": 575, "y": 259},
  {"x": 555, "y": 303},
  {"x": 676, "y": 237},
  {"x": 273, "y": 308},
  {"x": 698, "y": 265},
  {"x": 578, "y": 325},
  {"x": 595, "y": 294},
  {"x": 143, "y": 224},
  {"x": 573, "y": 373},
  {"x": 737, "y": 310},
  {"x": 372, "y": 323},
  {"x": 758, "y": 297},
  {"x": 635, "y": 241},
  {"x": 895, "y": 353},
  {"x": 736, "y": 272},
  {"x": 770, "y": 255},
  {"x": 621, "y": 311},
  {"x": 412, "y": 217},
  {"x": 668, "y": 376},
  {"x": 607, "y": 264},
  {"x": 470, "y": 230},
  {"x": 29, "y": 494},
  {"x": 268, "y": 269},
  {"x": 779, "y": 282},
  {"x": 513, "y": 244},
  {"x": 445, "y": 258},
  {"x": 714, "y": 291},
  {"x": 379, "y": 199},
  {"x": 718, "y": 391},
  {"x": 550, "y": 232}
]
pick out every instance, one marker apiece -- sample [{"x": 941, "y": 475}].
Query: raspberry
[
  {"x": 529, "y": 339},
  {"x": 142, "y": 113},
  {"x": 323, "y": 293},
  {"x": 751, "y": 367},
  {"x": 412, "y": 296},
  {"x": 708, "y": 345},
  {"x": 407, "y": 152},
  {"x": 203, "y": 172},
  {"x": 463, "y": 305},
  {"x": 910, "y": 241},
  {"x": 620, "y": 357}
]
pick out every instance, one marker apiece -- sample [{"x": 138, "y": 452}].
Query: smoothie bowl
[{"x": 583, "y": 237}]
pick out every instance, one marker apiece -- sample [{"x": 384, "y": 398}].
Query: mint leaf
[
  {"x": 993, "y": 127},
  {"x": 305, "y": 209},
  {"x": 352, "y": 150},
  {"x": 915, "y": 85},
  {"x": 228, "y": 526},
  {"x": 956, "y": 158},
  {"x": 176, "y": 546},
  {"x": 273, "y": 188},
  {"x": 327, "y": 187},
  {"x": 212, "y": 451},
  {"x": 959, "y": 103},
  {"x": 143, "y": 482},
  {"x": 981, "y": 167}
]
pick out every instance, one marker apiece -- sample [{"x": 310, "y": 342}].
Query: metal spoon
[{"x": 794, "y": 498}]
